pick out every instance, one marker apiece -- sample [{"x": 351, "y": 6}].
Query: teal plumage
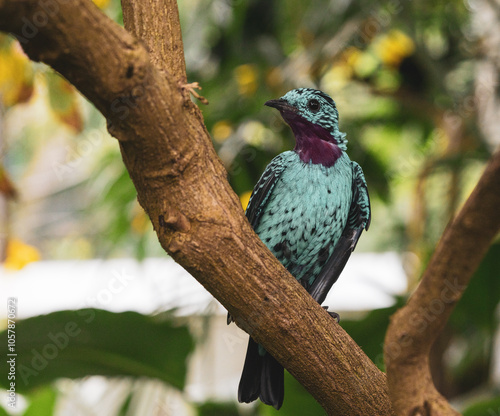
[
  {"x": 302, "y": 235},
  {"x": 309, "y": 208}
]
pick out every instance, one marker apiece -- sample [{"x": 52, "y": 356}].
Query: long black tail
[{"x": 262, "y": 377}]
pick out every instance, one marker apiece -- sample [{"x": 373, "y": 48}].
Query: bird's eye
[{"x": 313, "y": 105}]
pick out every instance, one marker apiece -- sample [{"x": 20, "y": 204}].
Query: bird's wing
[
  {"x": 263, "y": 189},
  {"x": 359, "y": 218}
]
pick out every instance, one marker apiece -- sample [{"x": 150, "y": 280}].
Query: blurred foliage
[
  {"x": 404, "y": 77},
  {"x": 64, "y": 101},
  {"x": 217, "y": 409},
  {"x": 489, "y": 407},
  {"x": 397, "y": 74},
  {"x": 369, "y": 331},
  {"x": 78, "y": 343},
  {"x": 473, "y": 326},
  {"x": 42, "y": 403}
]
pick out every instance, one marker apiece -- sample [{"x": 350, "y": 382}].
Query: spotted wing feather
[{"x": 263, "y": 189}]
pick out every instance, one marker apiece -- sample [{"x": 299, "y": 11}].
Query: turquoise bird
[{"x": 309, "y": 208}]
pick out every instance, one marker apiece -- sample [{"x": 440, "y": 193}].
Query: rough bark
[
  {"x": 415, "y": 327},
  {"x": 159, "y": 29},
  {"x": 182, "y": 186}
]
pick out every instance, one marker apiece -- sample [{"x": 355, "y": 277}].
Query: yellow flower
[
  {"x": 140, "y": 222},
  {"x": 336, "y": 77},
  {"x": 351, "y": 56},
  {"x": 16, "y": 75},
  {"x": 221, "y": 130},
  {"x": 352, "y": 62},
  {"x": 102, "y": 4},
  {"x": 393, "y": 47},
  {"x": 245, "y": 198},
  {"x": 246, "y": 77},
  {"x": 20, "y": 254}
]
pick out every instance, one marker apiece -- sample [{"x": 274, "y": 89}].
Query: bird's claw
[{"x": 334, "y": 315}]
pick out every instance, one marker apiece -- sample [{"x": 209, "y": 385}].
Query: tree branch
[
  {"x": 159, "y": 29},
  {"x": 414, "y": 328},
  {"x": 182, "y": 186}
]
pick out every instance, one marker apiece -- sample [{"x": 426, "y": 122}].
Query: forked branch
[
  {"x": 415, "y": 327},
  {"x": 182, "y": 186}
]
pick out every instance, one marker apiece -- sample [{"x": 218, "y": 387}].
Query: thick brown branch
[
  {"x": 182, "y": 186},
  {"x": 414, "y": 328},
  {"x": 156, "y": 23}
]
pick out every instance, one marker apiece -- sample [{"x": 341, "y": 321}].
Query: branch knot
[{"x": 176, "y": 221}]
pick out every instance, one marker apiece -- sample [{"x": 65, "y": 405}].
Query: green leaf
[
  {"x": 42, "y": 402},
  {"x": 490, "y": 407},
  {"x": 475, "y": 322},
  {"x": 217, "y": 409},
  {"x": 476, "y": 309},
  {"x": 63, "y": 100},
  {"x": 78, "y": 343}
]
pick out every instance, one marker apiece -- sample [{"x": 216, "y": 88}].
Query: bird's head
[{"x": 312, "y": 116}]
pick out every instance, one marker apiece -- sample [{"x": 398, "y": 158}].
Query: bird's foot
[
  {"x": 191, "y": 87},
  {"x": 334, "y": 315}
]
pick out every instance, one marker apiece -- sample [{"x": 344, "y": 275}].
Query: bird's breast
[{"x": 306, "y": 214}]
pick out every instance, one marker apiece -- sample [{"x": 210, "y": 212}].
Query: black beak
[{"x": 281, "y": 105}]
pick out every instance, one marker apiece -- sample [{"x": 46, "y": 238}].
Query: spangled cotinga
[{"x": 309, "y": 208}]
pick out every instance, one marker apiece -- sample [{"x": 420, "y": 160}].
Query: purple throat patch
[{"x": 313, "y": 143}]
